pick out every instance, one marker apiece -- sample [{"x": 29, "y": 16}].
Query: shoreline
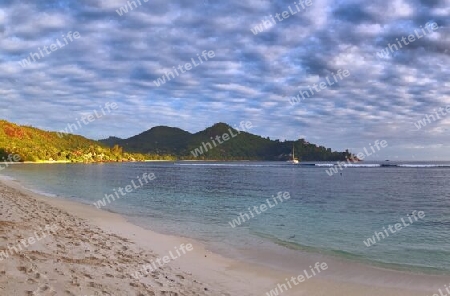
[
  {"x": 238, "y": 277},
  {"x": 152, "y": 160}
]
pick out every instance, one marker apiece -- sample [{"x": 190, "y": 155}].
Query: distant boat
[
  {"x": 293, "y": 160},
  {"x": 388, "y": 164}
]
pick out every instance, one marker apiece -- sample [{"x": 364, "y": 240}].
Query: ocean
[{"x": 326, "y": 215}]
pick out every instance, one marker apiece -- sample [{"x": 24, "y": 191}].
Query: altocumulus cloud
[{"x": 251, "y": 77}]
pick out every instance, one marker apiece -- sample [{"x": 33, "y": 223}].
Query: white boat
[{"x": 293, "y": 160}]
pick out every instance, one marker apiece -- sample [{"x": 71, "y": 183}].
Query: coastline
[
  {"x": 221, "y": 275},
  {"x": 100, "y": 162}
]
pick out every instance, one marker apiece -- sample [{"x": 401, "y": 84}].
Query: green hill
[
  {"x": 157, "y": 140},
  {"x": 244, "y": 146}
]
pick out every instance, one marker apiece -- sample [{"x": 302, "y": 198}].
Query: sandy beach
[{"x": 53, "y": 246}]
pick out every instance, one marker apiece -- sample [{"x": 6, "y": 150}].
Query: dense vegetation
[
  {"x": 33, "y": 144},
  {"x": 158, "y": 143},
  {"x": 245, "y": 146}
]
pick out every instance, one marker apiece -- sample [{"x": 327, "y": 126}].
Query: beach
[
  {"x": 303, "y": 155},
  {"x": 86, "y": 251}
]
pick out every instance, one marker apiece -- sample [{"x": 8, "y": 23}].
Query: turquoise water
[{"x": 330, "y": 215}]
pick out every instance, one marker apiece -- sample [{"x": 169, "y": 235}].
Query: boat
[
  {"x": 388, "y": 164},
  {"x": 293, "y": 160}
]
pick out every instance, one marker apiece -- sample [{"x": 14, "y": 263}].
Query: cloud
[{"x": 251, "y": 77}]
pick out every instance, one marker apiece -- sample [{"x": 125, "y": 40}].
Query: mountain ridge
[{"x": 245, "y": 146}]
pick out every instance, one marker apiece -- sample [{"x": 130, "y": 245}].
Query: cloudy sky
[{"x": 252, "y": 77}]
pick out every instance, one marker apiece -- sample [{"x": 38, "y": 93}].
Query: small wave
[
  {"x": 424, "y": 165},
  {"x": 223, "y": 164},
  {"x": 368, "y": 165},
  {"x": 7, "y": 178},
  {"x": 324, "y": 164},
  {"x": 349, "y": 165},
  {"x": 355, "y": 257},
  {"x": 41, "y": 192},
  {"x": 373, "y": 165}
]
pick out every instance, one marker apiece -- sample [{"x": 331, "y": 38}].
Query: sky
[{"x": 251, "y": 77}]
